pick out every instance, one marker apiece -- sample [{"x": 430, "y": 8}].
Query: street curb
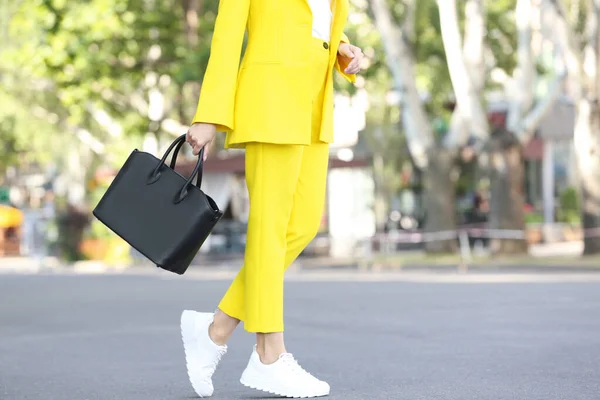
[{"x": 392, "y": 264}]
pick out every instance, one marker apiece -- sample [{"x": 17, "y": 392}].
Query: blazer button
[{"x": 325, "y": 45}]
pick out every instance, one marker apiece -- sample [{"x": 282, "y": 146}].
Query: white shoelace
[{"x": 289, "y": 360}]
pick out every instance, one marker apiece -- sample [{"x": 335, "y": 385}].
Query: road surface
[{"x": 88, "y": 337}]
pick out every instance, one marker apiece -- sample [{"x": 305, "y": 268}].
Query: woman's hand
[
  {"x": 201, "y": 135},
  {"x": 352, "y": 56}
]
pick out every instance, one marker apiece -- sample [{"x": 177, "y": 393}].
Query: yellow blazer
[{"x": 268, "y": 97}]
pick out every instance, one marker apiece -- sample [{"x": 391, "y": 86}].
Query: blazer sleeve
[
  {"x": 217, "y": 94},
  {"x": 340, "y": 65}
]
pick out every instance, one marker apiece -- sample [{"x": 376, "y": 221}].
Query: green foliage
[
  {"x": 569, "y": 199},
  {"x": 502, "y": 33},
  {"x": 98, "y": 230},
  {"x": 534, "y": 218},
  {"x": 570, "y": 209},
  {"x": 63, "y": 61},
  {"x": 26, "y": 140},
  {"x": 387, "y": 146}
]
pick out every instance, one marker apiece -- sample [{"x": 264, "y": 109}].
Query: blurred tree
[
  {"x": 532, "y": 89},
  {"x": 382, "y": 132},
  {"x": 102, "y": 74},
  {"x": 107, "y": 73},
  {"x": 481, "y": 51},
  {"x": 505, "y": 145},
  {"x": 410, "y": 32},
  {"x": 577, "y": 34}
]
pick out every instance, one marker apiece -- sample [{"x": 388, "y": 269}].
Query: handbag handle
[
  {"x": 197, "y": 171},
  {"x": 176, "y": 153}
]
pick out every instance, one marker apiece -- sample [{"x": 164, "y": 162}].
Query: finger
[
  {"x": 356, "y": 66},
  {"x": 352, "y": 68},
  {"x": 197, "y": 148},
  {"x": 358, "y": 54},
  {"x": 346, "y": 51},
  {"x": 359, "y": 61},
  {"x": 353, "y": 64},
  {"x": 198, "y": 142},
  {"x": 356, "y": 50},
  {"x": 193, "y": 141}
]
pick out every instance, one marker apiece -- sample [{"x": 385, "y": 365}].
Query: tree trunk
[
  {"x": 587, "y": 144},
  {"x": 439, "y": 194},
  {"x": 584, "y": 68},
  {"x": 465, "y": 81},
  {"x": 400, "y": 58},
  {"x": 507, "y": 199}
]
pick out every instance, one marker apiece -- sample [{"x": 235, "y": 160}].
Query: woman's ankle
[
  {"x": 269, "y": 347},
  {"x": 269, "y": 356},
  {"x": 222, "y": 328},
  {"x": 218, "y": 336}
]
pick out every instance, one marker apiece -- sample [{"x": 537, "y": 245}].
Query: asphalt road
[{"x": 78, "y": 337}]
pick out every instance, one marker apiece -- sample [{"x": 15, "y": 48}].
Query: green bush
[
  {"x": 534, "y": 218},
  {"x": 569, "y": 210},
  {"x": 97, "y": 230}
]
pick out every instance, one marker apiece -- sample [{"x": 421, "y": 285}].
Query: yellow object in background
[{"x": 10, "y": 217}]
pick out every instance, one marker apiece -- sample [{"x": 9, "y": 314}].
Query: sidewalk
[{"x": 556, "y": 257}]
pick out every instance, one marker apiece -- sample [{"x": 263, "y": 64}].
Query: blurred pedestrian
[{"x": 278, "y": 106}]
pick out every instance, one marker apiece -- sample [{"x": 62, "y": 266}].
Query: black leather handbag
[{"x": 157, "y": 211}]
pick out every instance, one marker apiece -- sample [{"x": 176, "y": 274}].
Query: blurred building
[{"x": 549, "y": 156}]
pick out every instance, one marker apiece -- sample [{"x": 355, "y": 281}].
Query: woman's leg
[
  {"x": 256, "y": 295},
  {"x": 304, "y": 222},
  {"x": 271, "y": 368}
]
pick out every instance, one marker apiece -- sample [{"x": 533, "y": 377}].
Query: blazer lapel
[{"x": 340, "y": 13}]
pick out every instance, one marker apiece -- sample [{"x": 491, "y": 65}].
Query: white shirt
[{"x": 322, "y": 16}]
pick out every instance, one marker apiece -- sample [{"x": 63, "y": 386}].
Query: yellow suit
[
  {"x": 268, "y": 98},
  {"x": 279, "y": 106}
]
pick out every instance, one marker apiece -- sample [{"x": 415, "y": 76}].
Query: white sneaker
[
  {"x": 285, "y": 377},
  {"x": 202, "y": 355}
]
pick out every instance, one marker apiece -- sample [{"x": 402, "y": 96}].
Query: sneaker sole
[
  {"x": 188, "y": 325},
  {"x": 278, "y": 391}
]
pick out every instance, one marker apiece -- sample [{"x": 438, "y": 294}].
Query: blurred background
[
  {"x": 459, "y": 251},
  {"x": 473, "y": 133}
]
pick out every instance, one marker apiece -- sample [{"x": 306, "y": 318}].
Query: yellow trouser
[{"x": 286, "y": 184}]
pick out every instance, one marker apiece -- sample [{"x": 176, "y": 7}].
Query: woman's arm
[{"x": 217, "y": 95}]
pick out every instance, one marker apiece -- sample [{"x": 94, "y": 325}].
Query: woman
[{"x": 278, "y": 105}]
